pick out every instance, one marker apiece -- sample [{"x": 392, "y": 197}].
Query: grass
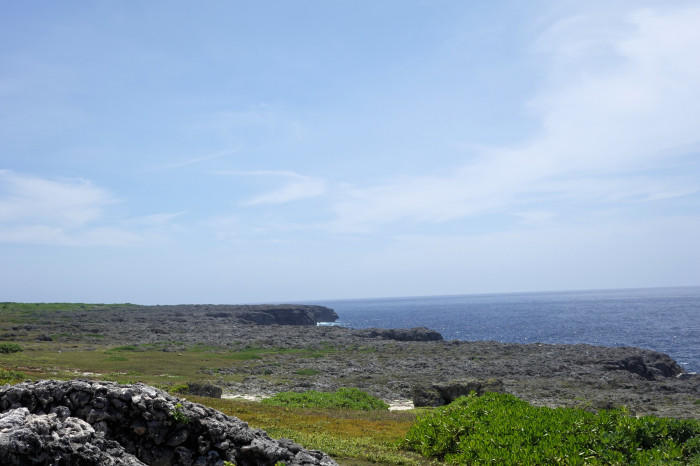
[
  {"x": 351, "y": 437},
  {"x": 146, "y": 363},
  {"x": 502, "y": 429},
  {"x": 10, "y": 377},
  {"x": 343, "y": 398}
]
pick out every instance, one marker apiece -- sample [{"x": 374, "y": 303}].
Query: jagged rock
[
  {"x": 204, "y": 389},
  {"x": 650, "y": 365},
  {"x": 288, "y": 315},
  {"x": 56, "y": 439},
  {"x": 401, "y": 334},
  {"x": 76, "y": 421},
  {"x": 439, "y": 394}
]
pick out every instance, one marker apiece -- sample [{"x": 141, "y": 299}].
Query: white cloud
[
  {"x": 32, "y": 199},
  {"x": 199, "y": 159},
  {"x": 36, "y": 210},
  {"x": 626, "y": 101},
  {"x": 296, "y": 187}
]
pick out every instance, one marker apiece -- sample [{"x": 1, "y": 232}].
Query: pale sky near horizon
[{"x": 230, "y": 152}]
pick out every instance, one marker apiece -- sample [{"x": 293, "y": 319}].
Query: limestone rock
[
  {"x": 650, "y": 366},
  {"x": 204, "y": 389},
  {"x": 401, "y": 334},
  {"x": 439, "y": 394},
  {"x": 55, "y": 439},
  {"x": 88, "y": 422}
]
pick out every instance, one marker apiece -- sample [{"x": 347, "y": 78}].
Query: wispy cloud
[
  {"x": 295, "y": 186},
  {"x": 70, "y": 203},
  {"x": 627, "y": 102},
  {"x": 35, "y": 210},
  {"x": 199, "y": 159},
  {"x": 158, "y": 219}
]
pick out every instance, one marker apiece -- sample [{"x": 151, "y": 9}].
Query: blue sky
[{"x": 226, "y": 152}]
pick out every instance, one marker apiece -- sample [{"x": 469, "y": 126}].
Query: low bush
[
  {"x": 343, "y": 398},
  {"x": 502, "y": 429},
  {"x": 10, "y": 348},
  {"x": 9, "y": 377}
]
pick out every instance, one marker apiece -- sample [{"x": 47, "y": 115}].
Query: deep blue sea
[{"x": 662, "y": 319}]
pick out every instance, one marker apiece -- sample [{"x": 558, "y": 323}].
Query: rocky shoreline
[{"x": 388, "y": 363}]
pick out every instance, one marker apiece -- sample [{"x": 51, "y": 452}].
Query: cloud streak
[
  {"x": 196, "y": 160},
  {"x": 295, "y": 186},
  {"x": 602, "y": 120},
  {"x": 35, "y": 210}
]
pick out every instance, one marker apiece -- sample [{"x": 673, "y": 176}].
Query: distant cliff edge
[{"x": 260, "y": 314}]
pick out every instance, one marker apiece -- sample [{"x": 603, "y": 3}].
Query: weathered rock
[
  {"x": 401, "y": 334},
  {"x": 439, "y": 394},
  {"x": 55, "y": 439},
  {"x": 106, "y": 423},
  {"x": 649, "y": 366},
  {"x": 204, "y": 389},
  {"x": 288, "y": 315}
]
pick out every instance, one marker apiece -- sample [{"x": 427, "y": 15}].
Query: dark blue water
[{"x": 662, "y": 319}]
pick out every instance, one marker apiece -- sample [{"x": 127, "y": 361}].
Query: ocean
[{"x": 661, "y": 319}]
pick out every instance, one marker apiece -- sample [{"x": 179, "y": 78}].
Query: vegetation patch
[
  {"x": 126, "y": 348},
  {"x": 343, "y": 398},
  {"x": 178, "y": 415},
  {"x": 350, "y": 437},
  {"x": 502, "y": 429},
  {"x": 10, "y": 348},
  {"x": 10, "y": 377}
]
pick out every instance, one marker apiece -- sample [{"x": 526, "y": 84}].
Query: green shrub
[
  {"x": 501, "y": 429},
  {"x": 10, "y": 348},
  {"x": 9, "y": 377},
  {"x": 179, "y": 389},
  {"x": 343, "y": 398},
  {"x": 178, "y": 415}
]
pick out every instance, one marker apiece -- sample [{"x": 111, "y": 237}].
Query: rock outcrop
[
  {"x": 203, "y": 389},
  {"x": 650, "y": 366},
  {"x": 56, "y": 439},
  {"x": 401, "y": 334},
  {"x": 86, "y": 423},
  {"x": 439, "y": 394},
  {"x": 288, "y": 315}
]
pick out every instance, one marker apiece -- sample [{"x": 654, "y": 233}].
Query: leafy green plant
[
  {"x": 502, "y": 429},
  {"x": 343, "y": 398},
  {"x": 9, "y": 377},
  {"x": 179, "y": 389},
  {"x": 10, "y": 348},
  {"x": 178, "y": 415}
]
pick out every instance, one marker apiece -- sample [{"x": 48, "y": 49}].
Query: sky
[{"x": 236, "y": 152}]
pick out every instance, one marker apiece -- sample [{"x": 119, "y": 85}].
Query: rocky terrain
[
  {"x": 391, "y": 364},
  {"x": 90, "y": 423}
]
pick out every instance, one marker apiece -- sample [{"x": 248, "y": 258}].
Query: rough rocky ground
[
  {"x": 552, "y": 375},
  {"x": 555, "y": 375},
  {"x": 90, "y": 423}
]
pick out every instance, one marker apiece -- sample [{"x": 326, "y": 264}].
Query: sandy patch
[
  {"x": 400, "y": 405},
  {"x": 245, "y": 396}
]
